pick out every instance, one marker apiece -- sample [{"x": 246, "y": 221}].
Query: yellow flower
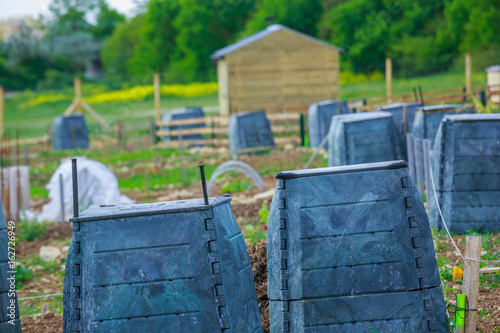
[{"x": 457, "y": 273}]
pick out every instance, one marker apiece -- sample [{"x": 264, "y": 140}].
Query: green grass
[
  {"x": 33, "y": 121},
  {"x": 405, "y": 86}
]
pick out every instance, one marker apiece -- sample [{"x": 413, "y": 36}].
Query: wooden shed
[{"x": 276, "y": 68}]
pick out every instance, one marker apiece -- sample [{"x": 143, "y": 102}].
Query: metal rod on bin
[
  {"x": 75, "y": 187},
  {"x": 203, "y": 183}
]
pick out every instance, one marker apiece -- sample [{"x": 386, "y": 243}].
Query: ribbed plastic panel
[
  {"x": 178, "y": 266},
  {"x": 249, "y": 130},
  {"x": 349, "y": 249},
  {"x": 70, "y": 132},
  {"x": 428, "y": 119},
  {"x": 188, "y": 113},
  {"x": 8, "y": 298},
  {"x": 397, "y": 110},
  {"x": 363, "y": 138},
  {"x": 465, "y": 167},
  {"x": 319, "y": 118},
  {"x": 425, "y": 126}
]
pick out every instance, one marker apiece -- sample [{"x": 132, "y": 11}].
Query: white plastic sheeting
[
  {"x": 97, "y": 185},
  {"x": 237, "y": 166}
]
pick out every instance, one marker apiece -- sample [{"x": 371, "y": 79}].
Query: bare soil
[
  {"x": 245, "y": 210},
  {"x": 258, "y": 257},
  {"x": 47, "y": 323}
]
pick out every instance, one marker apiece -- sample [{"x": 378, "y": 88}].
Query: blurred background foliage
[{"x": 176, "y": 38}]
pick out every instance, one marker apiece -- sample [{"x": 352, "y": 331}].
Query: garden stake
[
  {"x": 302, "y": 131},
  {"x": 460, "y": 313},
  {"x": 18, "y": 176},
  {"x": 75, "y": 187},
  {"x": 203, "y": 182}
]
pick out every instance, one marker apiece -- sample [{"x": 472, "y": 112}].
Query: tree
[
  {"x": 58, "y": 8},
  {"x": 119, "y": 49},
  {"x": 301, "y": 15},
  {"x": 360, "y": 28},
  {"x": 156, "y": 47},
  {"x": 471, "y": 25},
  {"x": 203, "y": 27},
  {"x": 107, "y": 20}
]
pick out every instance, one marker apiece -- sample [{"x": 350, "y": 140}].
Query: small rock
[
  {"x": 46, "y": 314},
  {"x": 289, "y": 146},
  {"x": 65, "y": 249},
  {"x": 49, "y": 253}
]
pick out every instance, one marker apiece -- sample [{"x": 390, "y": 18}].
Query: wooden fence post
[
  {"x": 157, "y": 96},
  {"x": 468, "y": 77},
  {"x": 470, "y": 286},
  {"x": 78, "y": 94},
  {"x": 388, "y": 79}
]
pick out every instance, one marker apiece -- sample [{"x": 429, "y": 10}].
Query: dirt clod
[{"x": 258, "y": 257}]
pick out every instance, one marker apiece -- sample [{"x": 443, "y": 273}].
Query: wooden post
[
  {"x": 154, "y": 129},
  {"x": 388, "y": 79},
  {"x": 470, "y": 286},
  {"x": 78, "y": 94},
  {"x": 157, "y": 96},
  {"x": 405, "y": 119},
  {"x": 2, "y": 106},
  {"x": 468, "y": 83}
]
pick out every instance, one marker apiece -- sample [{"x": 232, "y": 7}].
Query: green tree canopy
[
  {"x": 156, "y": 46},
  {"x": 203, "y": 27},
  {"x": 119, "y": 49},
  {"x": 301, "y": 15},
  {"x": 107, "y": 21}
]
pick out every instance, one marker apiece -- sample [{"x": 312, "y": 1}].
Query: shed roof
[{"x": 221, "y": 53}]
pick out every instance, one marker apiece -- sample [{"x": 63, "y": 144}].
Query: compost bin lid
[
  {"x": 472, "y": 117},
  {"x": 400, "y": 104},
  {"x": 443, "y": 107},
  {"x": 157, "y": 208},
  {"x": 362, "y": 116},
  {"x": 342, "y": 169},
  {"x": 246, "y": 113},
  {"x": 330, "y": 101}
]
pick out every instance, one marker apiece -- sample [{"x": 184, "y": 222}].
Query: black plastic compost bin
[
  {"x": 9, "y": 308},
  {"x": 178, "y": 266},
  {"x": 428, "y": 119},
  {"x": 188, "y": 113},
  {"x": 397, "y": 110},
  {"x": 70, "y": 132},
  {"x": 425, "y": 126},
  {"x": 349, "y": 249},
  {"x": 319, "y": 117},
  {"x": 363, "y": 138},
  {"x": 249, "y": 129},
  {"x": 465, "y": 162}
]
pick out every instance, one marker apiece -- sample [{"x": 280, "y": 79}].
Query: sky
[{"x": 18, "y": 8}]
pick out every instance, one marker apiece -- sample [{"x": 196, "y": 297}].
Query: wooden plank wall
[{"x": 282, "y": 71}]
